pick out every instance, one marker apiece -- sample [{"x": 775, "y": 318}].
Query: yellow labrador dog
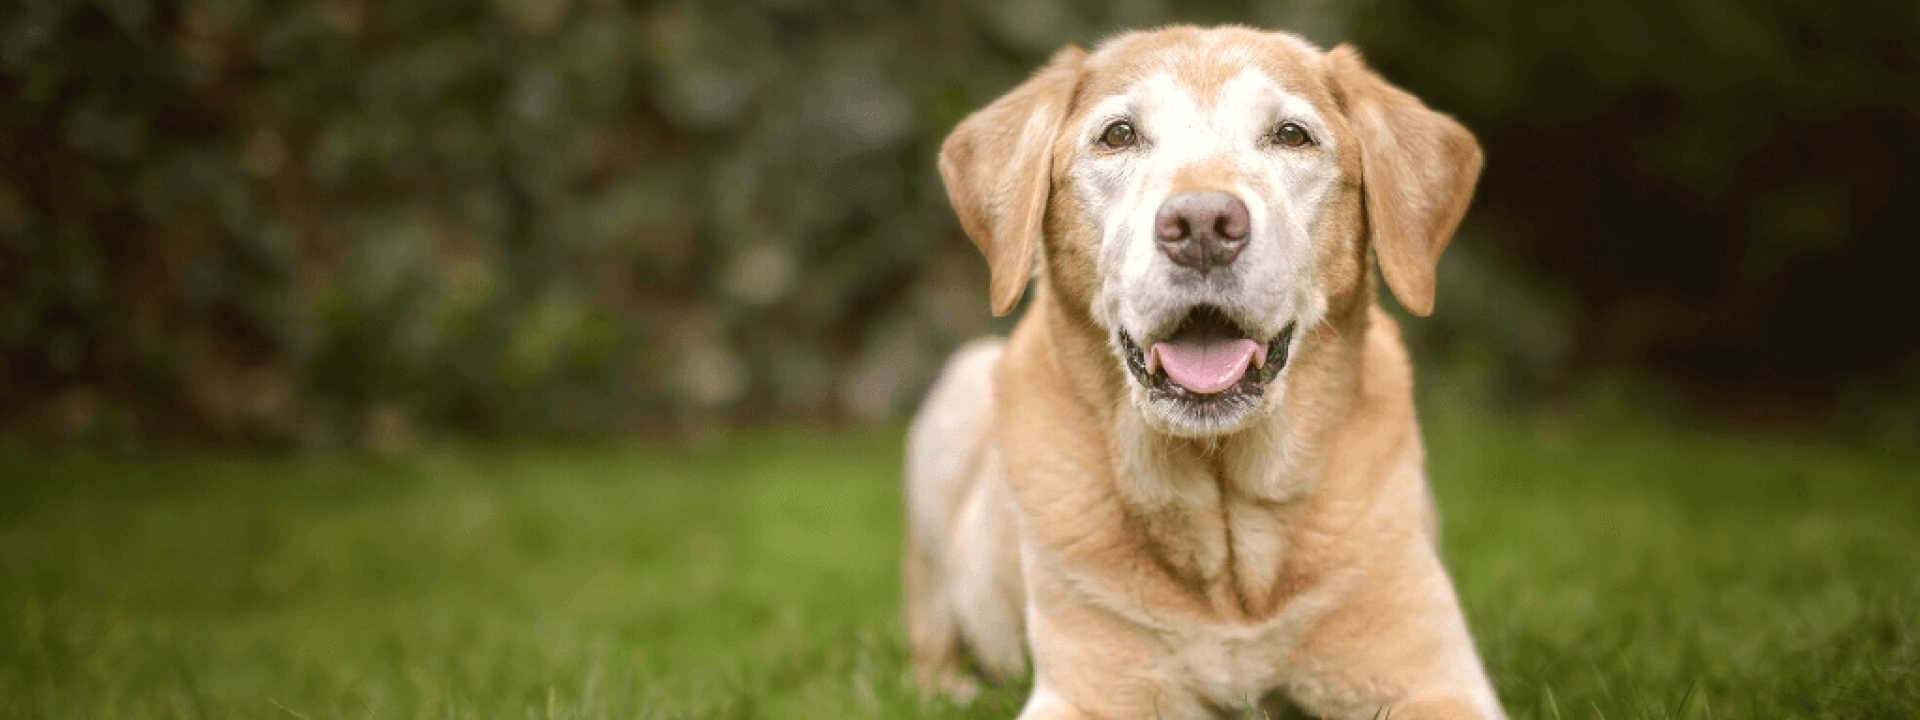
[{"x": 1190, "y": 483}]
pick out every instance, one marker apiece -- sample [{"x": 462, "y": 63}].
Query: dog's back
[{"x": 962, "y": 563}]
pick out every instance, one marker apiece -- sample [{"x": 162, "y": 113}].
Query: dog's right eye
[
  {"x": 1119, "y": 135},
  {"x": 1292, "y": 135}
]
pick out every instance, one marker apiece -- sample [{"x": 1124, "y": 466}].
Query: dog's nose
[{"x": 1201, "y": 229}]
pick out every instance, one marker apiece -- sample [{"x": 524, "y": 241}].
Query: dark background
[{"x": 352, "y": 223}]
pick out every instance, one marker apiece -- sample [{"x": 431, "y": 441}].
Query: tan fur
[
  {"x": 1002, "y": 152},
  {"x": 1214, "y": 174},
  {"x": 1151, "y": 575},
  {"x": 1419, "y": 175}
]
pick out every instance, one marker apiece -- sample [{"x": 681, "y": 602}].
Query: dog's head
[{"x": 1207, "y": 196}]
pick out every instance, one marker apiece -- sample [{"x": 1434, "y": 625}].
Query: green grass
[{"x": 1616, "y": 572}]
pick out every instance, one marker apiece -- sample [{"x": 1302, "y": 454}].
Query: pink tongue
[{"x": 1206, "y": 366}]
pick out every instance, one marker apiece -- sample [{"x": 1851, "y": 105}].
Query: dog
[{"x": 1190, "y": 483}]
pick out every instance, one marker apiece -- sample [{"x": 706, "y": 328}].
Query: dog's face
[
  {"x": 1206, "y": 196},
  {"x": 1219, "y": 199}
]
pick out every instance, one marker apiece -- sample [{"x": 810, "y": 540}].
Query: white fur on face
[{"x": 1288, "y": 192}]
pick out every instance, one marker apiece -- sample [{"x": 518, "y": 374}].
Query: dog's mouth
[{"x": 1207, "y": 359}]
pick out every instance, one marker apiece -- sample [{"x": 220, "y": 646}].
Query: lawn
[{"x": 1617, "y": 571}]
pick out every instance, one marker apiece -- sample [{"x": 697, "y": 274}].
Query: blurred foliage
[
  {"x": 1708, "y": 194},
  {"x": 344, "y": 222},
  {"x": 348, "y": 222}
]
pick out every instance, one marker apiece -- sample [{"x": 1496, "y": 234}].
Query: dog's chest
[
  {"x": 1213, "y": 535},
  {"x": 1232, "y": 537},
  {"x": 1234, "y": 666},
  {"x": 1231, "y": 551}
]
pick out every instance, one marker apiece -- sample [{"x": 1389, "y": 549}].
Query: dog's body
[{"x": 1191, "y": 480}]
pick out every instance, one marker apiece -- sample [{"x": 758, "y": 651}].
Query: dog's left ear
[
  {"x": 997, "y": 166},
  {"x": 1417, "y": 169}
]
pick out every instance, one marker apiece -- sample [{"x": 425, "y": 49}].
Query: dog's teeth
[
  {"x": 1260, "y": 357},
  {"x": 1153, "y": 360}
]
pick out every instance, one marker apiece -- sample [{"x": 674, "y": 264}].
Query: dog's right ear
[{"x": 997, "y": 167}]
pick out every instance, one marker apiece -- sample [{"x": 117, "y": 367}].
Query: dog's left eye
[
  {"x": 1292, "y": 135},
  {"x": 1119, "y": 135}
]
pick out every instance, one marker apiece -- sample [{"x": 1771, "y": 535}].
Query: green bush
[{"x": 346, "y": 222}]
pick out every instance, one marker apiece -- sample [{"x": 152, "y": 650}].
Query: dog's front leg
[
  {"x": 1045, "y": 704},
  {"x": 1089, "y": 662},
  {"x": 1397, "y": 648},
  {"x": 1129, "y": 700},
  {"x": 1439, "y": 709}
]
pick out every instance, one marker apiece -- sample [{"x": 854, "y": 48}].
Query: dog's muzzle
[{"x": 1207, "y": 360}]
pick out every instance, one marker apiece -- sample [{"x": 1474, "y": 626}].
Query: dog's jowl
[{"x": 1191, "y": 481}]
